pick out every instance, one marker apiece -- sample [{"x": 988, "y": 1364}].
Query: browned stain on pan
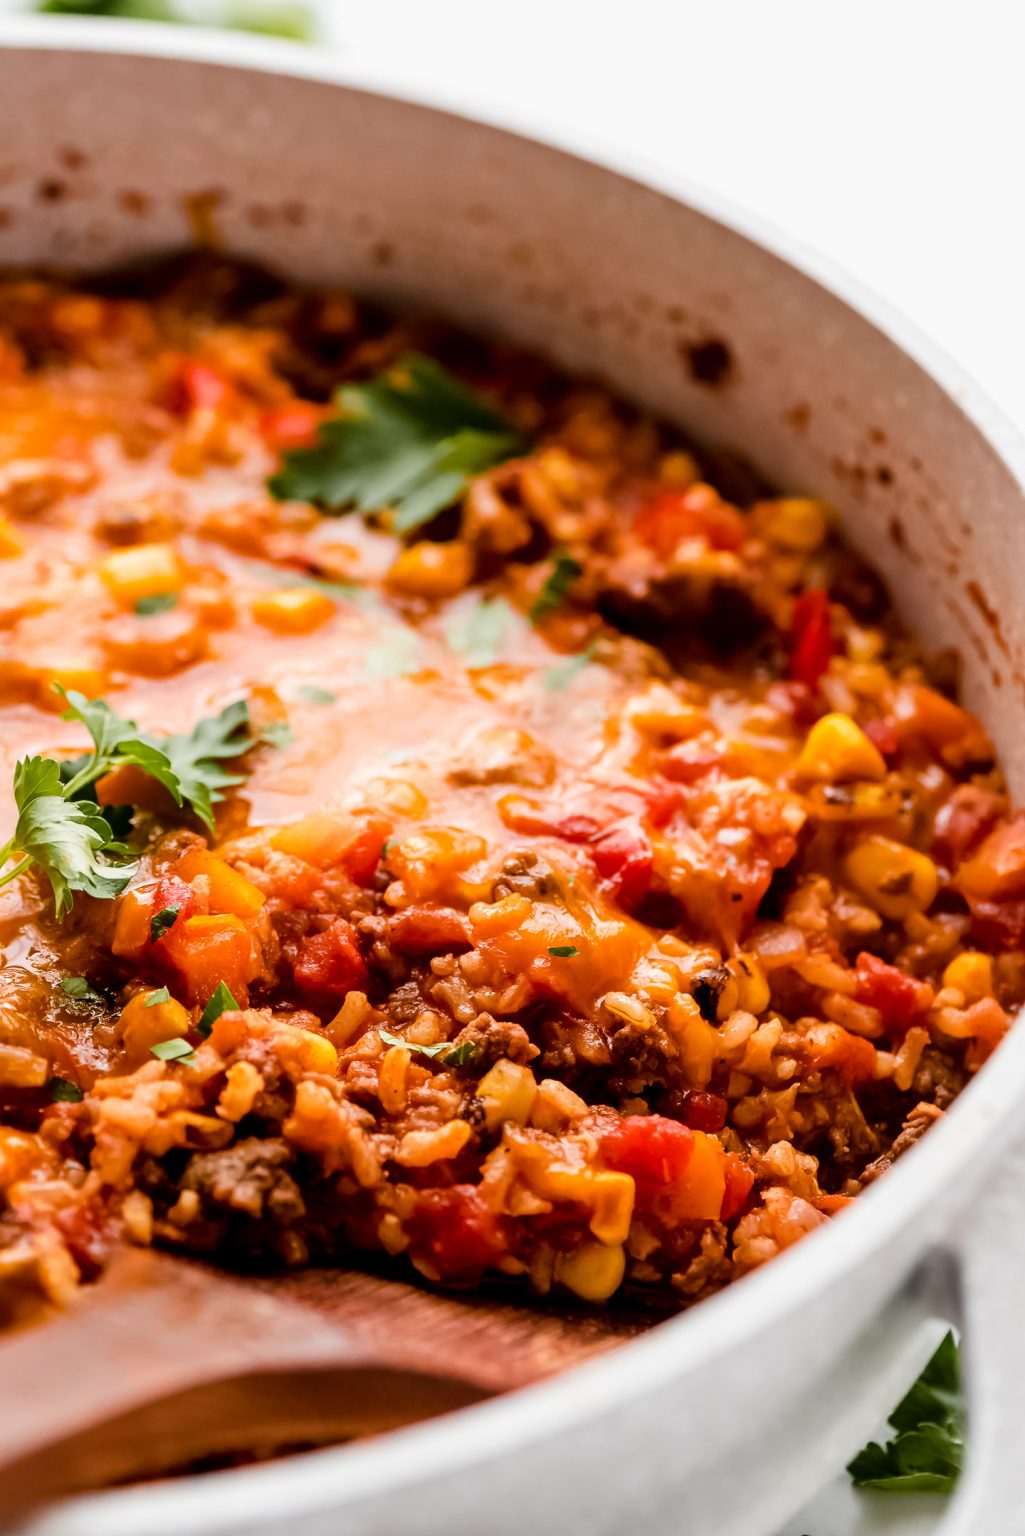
[
  {"x": 201, "y": 209},
  {"x": 988, "y": 612},
  {"x": 709, "y": 361}
]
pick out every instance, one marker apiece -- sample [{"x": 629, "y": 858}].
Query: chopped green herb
[
  {"x": 172, "y": 1050},
  {"x": 162, "y": 921},
  {"x": 63, "y": 1092},
  {"x": 161, "y": 995},
  {"x": 387, "y": 846},
  {"x": 77, "y": 843},
  {"x": 563, "y": 951},
  {"x": 221, "y": 1002},
  {"x": 292, "y": 21},
  {"x": 156, "y": 602},
  {"x": 927, "y": 1451},
  {"x": 316, "y": 695},
  {"x": 479, "y": 636},
  {"x": 397, "y": 655},
  {"x": 445, "y": 1054},
  {"x": 198, "y": 756},
  {"x": 556, "y": 678},
  {"x": 68, "y": 839},
  {"x": 411, "y": 440},
  {"x": 78, "y": 988},
  {"x": 278, "y": 734},
  {"x": 564, "y": 572}
]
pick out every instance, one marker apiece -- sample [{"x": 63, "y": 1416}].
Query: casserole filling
[{"x": 446, "y": 815}]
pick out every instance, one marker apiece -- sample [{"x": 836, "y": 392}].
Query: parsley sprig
[
  {"x": 77, "y": 843},
  {"x": 411, "y": 440},
  {"x": 444, "y": 1053},
  {"x": 564, "y": 572},
  {"x": 926, "y": 1452}
]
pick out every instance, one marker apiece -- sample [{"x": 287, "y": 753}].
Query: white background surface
[{"x": 888, "y": 134}]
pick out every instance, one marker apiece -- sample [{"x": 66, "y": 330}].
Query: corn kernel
[
  {"x": 794, "y": 522},
  {"x": 293, "y": 610},
  {"x": 142, "y": 1026},
  {"x": 752, "y": 987},
  {"x": 593, "y": 1271},
  {"x": 432, "y": 570},
  {"x": 391, "y": 1079},
  {"x": 897, "y": 880},
  {"x": 314, "y": 1052},
  {"x": 142, "y": 570},
  {"x": 837, "y": 748},
  {"x": 972, "y": 975},
  {"x": 508, "y": 1091},
  {"x": 612, "y": 1197},
  {"x": 678, "y": 469},
  {"x": 11, "y": 542}
]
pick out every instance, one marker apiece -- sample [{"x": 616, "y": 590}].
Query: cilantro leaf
[
  {"x": 222, "y": 1001},
  {"x": 564, "y": 572},
  {"x": 445, "y": 1054},
  {"x": 563, "y": 951},
  {"x": 156, "y": 602},
  {"x": 77, "y": 988},
  {"x": 117, "y": 743},
  {"x": 161, "y": 922},
  {"x": 411, "y": 440},
  {"x": 172, "y": 1050},
  {"x": 196, "y": 758},
  {"x": 278, "y": 734},
  {"x": 926, "y": 1453},
  {"x": 68, "y": 839},
  {"x": 63, "y": 1092},
  {"x": 480, "y": 634},
  {"x": 556, "y": 678},
  {"x": 75, "y": 841}
]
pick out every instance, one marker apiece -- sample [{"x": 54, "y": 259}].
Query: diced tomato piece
[
  {"x": 688, "y": 761},
  {"x": 996, "y": 871},
  {"x": 831, "y": 1047},
  {"x": 523, "y": 815},
  {"x": 698, "y": 512},
  {"x": 883, "y": 735},
  {"x": 812, "y": 642},
  {"x": 789, "y": 697},
  {"x": 897, "y": 996},
  {"x": 661, "y": 800},
  {"x": 426, "y": 930},
  {"x": 329, "y": 964},
  {"x": 739, "y": 1183},
  {"x": 195, "y": 386},
  {"x": 998, "y": 924},
  {"x": 205, "y": 950},
  {"x": 291, "y": 426},
  {"x": 456, "y": 1231},
  {"x": 361, "y": 858},
  {"x": 652, "y": 1149},
  {"x": 963, "y": 820},
  {"x": 701, "y": 1111},
  {"x": 624, "y": 859}
]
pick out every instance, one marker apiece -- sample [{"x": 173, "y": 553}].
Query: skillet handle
[{"x": 991, "y": 1248}]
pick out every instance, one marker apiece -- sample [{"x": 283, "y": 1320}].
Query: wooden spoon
[{"x": 165, "y": 1362}]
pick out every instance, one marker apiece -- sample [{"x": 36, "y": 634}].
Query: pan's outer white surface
[{"x": 609, "y": 274}]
